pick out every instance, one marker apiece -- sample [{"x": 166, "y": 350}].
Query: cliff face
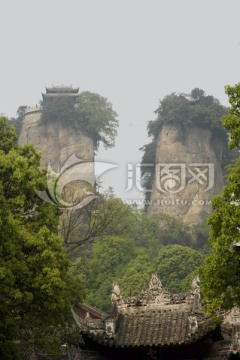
[
  {"x": 55, "y": 141},
  {"x": 188, "y": 173}
]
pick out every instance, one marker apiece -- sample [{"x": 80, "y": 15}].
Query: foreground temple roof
[
  {"x": 172, "y": 325},
  {"x": 154, "y": 318}
]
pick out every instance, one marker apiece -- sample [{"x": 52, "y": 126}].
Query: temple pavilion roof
[
  {"x": 61, "y": 89},
  {"x": 67, "y": 91}
]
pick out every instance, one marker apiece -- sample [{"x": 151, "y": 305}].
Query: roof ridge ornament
[
  {"x": 155, "y": 284},
  {"x": 156, "y": 293},
  {"x": 116, "y": 292},
  {"x": 196, "y": 294}
]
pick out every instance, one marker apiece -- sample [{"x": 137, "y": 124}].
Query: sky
[{"x": 132, "y": 52}]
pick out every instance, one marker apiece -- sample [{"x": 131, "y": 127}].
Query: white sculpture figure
[
  {"x": 87, "y": 317},
  {"x": 196, "y": 294},
  {"x": 155, "y": 284},
  {"x": 115, "y": 292}
]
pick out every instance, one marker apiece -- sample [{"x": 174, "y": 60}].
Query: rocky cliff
[
  {"x": 64, "y": 148},
  {"x": 55, "y": 141},
  {"x": 188, "y": 172}
]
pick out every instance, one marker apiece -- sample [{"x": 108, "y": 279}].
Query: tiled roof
[
  {"x": 61, "y": 89},
  {"x": 94, "y": 311},
  {"x": 154, "y": 318},
  {"x": 167, "y": 326},
  {"x": 26, "y": 352},
  {"x": 163, "y": 326}
]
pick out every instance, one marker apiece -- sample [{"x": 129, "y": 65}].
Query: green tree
[
  {"x": 147, "y": 169},
  {"x": 220, "y": 273},
  {"x": 92, "y": 222},
  {"x": 231, "y": 121},
  {"x": 136, "y": 275},
  {"x": 98, "y": 118},
  {"x": 109, "y": 259},
  {"x": 195, "y": 108},
  {"x": 7, "y": 136},
  {"x": 174, "y": 262},
  {"x": 18, "y": 121},
  {"x": 36, "y": 289},
  {"x": 108, "y": 216}
]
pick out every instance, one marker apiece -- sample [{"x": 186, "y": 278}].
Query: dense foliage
[
  {"x": 174, "y": 263},
  {"x": 231, "y": 121},
  {"x": 59, "y": 109},
  {"x": 119, "y": 259},
  {"x": 92, "y": 113},
  {"x": 36, "y": 288},
  {"x": 220, "y": 274},
  {"x": 97, "y": 117},
  {"x": 195, "y": 108},
  {"x": 133, "y": 246},
  {"x": 18, "y": 121}
]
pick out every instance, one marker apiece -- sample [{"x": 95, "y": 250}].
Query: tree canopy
[
  {"x": 231, "y": 120},
  {"x": 220, "y": 273},
  {"x": 174, "y": 262},
  {"x": 36, "y": 288},
  {"x": 99, "y": 120},
  {"x": 195, "y": 108},
  {"x": 18, "y": 121},
  {"x": 118, "y": 259},
  {"x": 130, "y": 249},
  {"x": 7, "y": 136}
]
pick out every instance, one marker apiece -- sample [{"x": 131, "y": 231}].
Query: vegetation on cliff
[
  {"x": 17, "y": 122},
  {"x": 220, "y": 274},
  {"x": 36, "y": 287},
  {"x": 186, "y": 110},
  {"x": 97, "y": 117},
  {"x": 92, "y": 113}
]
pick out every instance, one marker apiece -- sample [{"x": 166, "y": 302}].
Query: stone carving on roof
[
  {"x": 233, "y": 317},
  {"x": 156, "y": 293},
  {"x": 231, "y": 329},
  {"x": 155, "y": 284},
  {"x": 87, "y": 317},
  {"x": 193, "y": 324},
  {"x": 196, "y": 295},
  {"x": 116, "y": 292}
]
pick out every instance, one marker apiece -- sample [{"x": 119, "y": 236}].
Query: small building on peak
[
  {"x": 53, "y": 130},
  {"x": 62, "y": 90}
]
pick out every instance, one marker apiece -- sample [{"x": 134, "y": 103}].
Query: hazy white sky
[{"x": 132, "y": 52}]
